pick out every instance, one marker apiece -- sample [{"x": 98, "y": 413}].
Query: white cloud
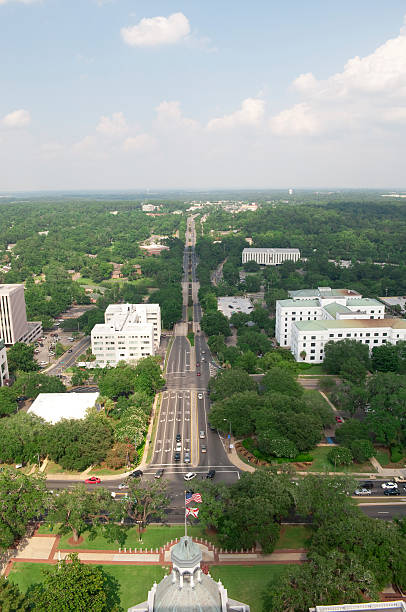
[
  {"x": 16, "y": 119},
  {"x": 20, "y": 1},
  {"x": 141, "y": 142},
  {"x": 112, "y": 126},
  {"x": 251, "y": 113},
  {"x": 369, "y": 90},
  {"x": 150, "y": 32},
  {"x": 169, "y": 114}
]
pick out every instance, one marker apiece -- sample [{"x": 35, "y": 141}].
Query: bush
[
  {"x": 327, "y": 384},
  {"x": 339, "y": 455},
  {"x": 303, "y": 457},
  {"x": 362, "y": 450},
  {"x": 117, "y": 456},
  {"x": 396, "y": 454}
]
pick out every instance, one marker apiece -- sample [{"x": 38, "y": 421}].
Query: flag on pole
[
  {"x": 193, "y": 511},
  {"x": 189, "y": 497}
]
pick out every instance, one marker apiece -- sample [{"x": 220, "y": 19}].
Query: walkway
[{"x": 42, "y": 548}]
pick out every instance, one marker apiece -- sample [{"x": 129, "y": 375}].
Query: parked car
[
  {"x": 123, "y": 485},
  {"x": 202, "y": 434},
  {"x": 178, "y": 446},
  {"x": 391, "y": 492},
  {"x": 367, "y": 485},
  {"x": 186, "y": 457},
  {"x": 362, "y": 491},
  {"x": 212, "y": 428},
  {"x": 339, "y": 419},
  {"x": 200, "y": 396},
  {"x": 198, "y": 374},
  {"x": 159, "y": 473},
  {"x": 189, "y": 476},
  {"x": 197, "y": 364},
  {"x": 203, "y": 448},
  {"x": 93, "y": 480},
  {"x": 389, "y": 485},
  {"x": 211, "y": 474},
  {"x": 176, "y": 456},
  {"x": 178, "y": 437}
]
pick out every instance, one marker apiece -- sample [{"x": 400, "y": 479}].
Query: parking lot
[{"x": 44, "y": 349}]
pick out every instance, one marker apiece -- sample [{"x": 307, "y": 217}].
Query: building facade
[
  {"x": 129, "y": 333},
  {"x": 270, "y": 257},
  {"x": 3, "y": 364},
  {"x": 381, "y": 606},
  {"x": 14, "y": 326}
]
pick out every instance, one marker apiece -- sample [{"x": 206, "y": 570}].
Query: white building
[
  {"x": 52, "y": 407},
  {"x": 319, "y": 304},
  {"x": 14, "y": 326},
  {"x": 382, "y": 606},
  {"x": 3, "y": 363},
  {"x": 129, "y": 333},
  {"x": 270, "y": 257}
]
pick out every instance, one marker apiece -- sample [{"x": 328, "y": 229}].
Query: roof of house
[
  {"x": 324, "y": 292},
  {"x": 333, "y": 309},
  {"x": 53, "y": 407},
  {"x": 298, "y": 303},
  {"x": 350, "y": 324},
  {"x": 267, "y": 249},
  {"x": 363, "y": 302}
]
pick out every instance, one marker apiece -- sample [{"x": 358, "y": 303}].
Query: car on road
[
  {"x": 339, "y": 419},
  {"x": 198, "y": 374},
  {"x": 389, "y": 485},
  {"x": 178, "y": 437},
  {"x": 176, "y": 456},
  {"x": 367, "y": 485},
  {"x": 391, "y": 492},
  {"x": 211, "y": 474},
  {"x": 178, "y": 446},
  {"x": 70, "y": 350},
  {"x": 186, "y": 457},
  {"x": 212, "y": 428},
  {"x": 135, "y": 474},
  {"x": 189, "y": 476},
  {"x": 93, "y": 480},
  {"x": 200, "y": 396},
  {"x": 197, "y": 364},
  {"x": 362, "y": 491},
  {"x": 123, "y": 485},
  {"x": 203, "y": 448},
  {"x": 159, "y": 473},
  {"x": 202, "y": 434}
]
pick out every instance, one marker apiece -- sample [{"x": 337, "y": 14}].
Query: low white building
[
  {"x": 381, "y": 606},
  {"x": 322, "y": 303},
  {"x": 3, "y": 363},
  {"x": 270, "y": 257},
  {"x": 230, "y": 305},
  {"x": 129, "y": 333},
  {"x": 53, "y": 407}
]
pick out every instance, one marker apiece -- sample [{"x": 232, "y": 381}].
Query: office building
[
  {"x": 14, "y": 326},
  {"x": 270, "y": 257},
  {"x": 129, "y": 333},
  {"x": 381, "y": 606},
  {"x": 3, "y": 364}
]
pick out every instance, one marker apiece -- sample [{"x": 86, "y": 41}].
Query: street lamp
[{"x": 229, "y": 436}]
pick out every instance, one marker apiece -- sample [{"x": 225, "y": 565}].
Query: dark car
[
  {"x": 211, "y": 474},
  {"x": 178, "y": 438},
  {"x": 159, "y": 473},
  {"x": 212, "y": 427},
  {"x": 135, "y": 474},
  {"x": 391, "y": 492},
  {"x": 367, "y": 485},
  {"x": 176, "y": 456},
  {"x": 22, "y": 398}
]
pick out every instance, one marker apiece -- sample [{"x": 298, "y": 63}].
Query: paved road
[
  {"x": 68, "y": 359},
  {"x": 385, "y": 511}
]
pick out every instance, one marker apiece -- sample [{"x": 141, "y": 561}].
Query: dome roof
[
  {"x": 186, "y": 553},
  {"x": 204, "y": 597}
]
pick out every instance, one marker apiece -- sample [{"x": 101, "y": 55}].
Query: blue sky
[{"x": 127, "y": 94}]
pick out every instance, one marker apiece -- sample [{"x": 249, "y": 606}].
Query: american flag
[
  {"x": 196, "y": 497},
  {"x": 193, "y": 511}
]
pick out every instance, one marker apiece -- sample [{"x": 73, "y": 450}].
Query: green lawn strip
[
  {"x": 246, "y": 583},
  {"x": 315, "y": 397},
  {"x": 314, "y": 369},
  {"x": 135, "y": 581},
  {"x": 153, "y": 537},
  {"x": 294, "y": 536},
  {"x": 321, "y": 463}
]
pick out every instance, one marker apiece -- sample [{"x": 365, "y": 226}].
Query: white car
[
  {"x": 178, "y": 446},
  {"x": 190, "y": 476},
  {"x": 203, "y": 448},
  {"x": 389, "y": 485},
  {"x": 200, "y": 395},
  {"x": 202, "y": 435},
  {"x": 362, "y": 491}
]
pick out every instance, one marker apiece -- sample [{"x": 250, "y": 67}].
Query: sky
[{"x": 202, "y": 94}]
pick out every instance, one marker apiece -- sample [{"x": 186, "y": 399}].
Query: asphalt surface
[{"x": 69, "y": 359}]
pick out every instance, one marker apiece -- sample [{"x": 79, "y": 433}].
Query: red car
[
  {"x": 198, "y": 374},
  {"x": 93, "y": 480},
  {"x": 339, "y": 419}
]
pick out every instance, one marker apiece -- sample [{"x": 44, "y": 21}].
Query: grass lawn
[
  {"x": 321, "y": 463},
  {"x": 134, "y": 581},
  {"x": 246, "y": 583},
  {"x": 315, "y": 397},
  {"x": 383, "y": 456},
  {"x": 293, "y": 536},
  {"x": 153, "y": 537},
  {"x": 83, "y": 280},
  {"x": 314, "y": 369}
]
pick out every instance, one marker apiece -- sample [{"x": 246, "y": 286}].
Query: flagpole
[{"x": 184, "y": 499}]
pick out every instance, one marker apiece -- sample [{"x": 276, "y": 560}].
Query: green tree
[
  {"x": 215, "y": 323},
  {"x": 389, "y": 357},
  {"x": 20, "y": 357},
  {"x": 280, "y": 380},
  {"x": 147, "y": 500},
  {"x": 31, "y": 384},
  {"x": 362, "y": 450},
  {"x": 279, "y": 447},
  {"x": 77, "y": 510},
  {"x": 238, "y": 410},
  {"x": 231, "y": 381},
  {"x": 23, "y": 438},
  {"x": 72, "y": 585},
  {"x": 340, "y": 455},
  {"x": 338, "y": 354},
  {"x": 11, "y": 598},
  {"x": 22, "y": 499},
  {"x": 8, "y": 404}
]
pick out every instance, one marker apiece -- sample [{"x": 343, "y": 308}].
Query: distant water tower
[{"x": 290, "y": 191}]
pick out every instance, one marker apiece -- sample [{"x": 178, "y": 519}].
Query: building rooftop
[
  {"x": 299, "y": 303},
  {"x": 363, "y": 302},
  {"x": 230, "y": 305},
  {"x": 53, "y": 407},
  {"x": 350, "y": 324},
  {"x": 274, "y": 249},
  {"x": 381, "y": 606},
  {"x": 333, "y": 309},
  {"x": 327, "y": 292}
]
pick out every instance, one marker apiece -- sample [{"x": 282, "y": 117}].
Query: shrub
[
  {"x": 339, "y": 455},
  {"x": 396, "y": 454},
  {"x": 304, "y": 457},
  {"x": 362, "y": 450}
]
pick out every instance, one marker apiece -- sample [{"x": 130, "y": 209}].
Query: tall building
[
  {"x": 129, "y": 333},
  {"x": 14, "y": 326},
  {"x": 270, "y": 257},
  {"x": 381, "y": 606},
  {"x": 188, "y": 589},
  {"x": 3, "y": 363}
]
